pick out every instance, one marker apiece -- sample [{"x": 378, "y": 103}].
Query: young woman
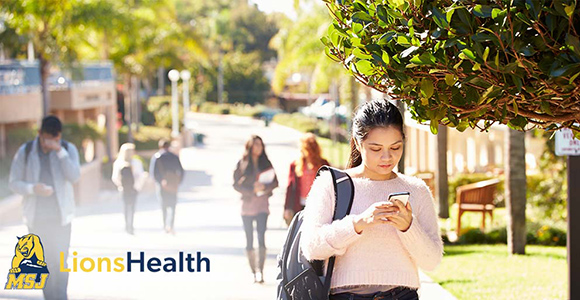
[
  {"x": 381, "y": 244},
  {"x": 129, "y": 178},
  {"x": 255, "y": 179},
  {"x": 301, "y": 175}
]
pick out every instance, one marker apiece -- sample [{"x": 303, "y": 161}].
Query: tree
[
  {"x": 299, "y": 50},
  {"x": 466, "y": 64},
  {"x": 441, "y": 177},
  {"x": 237, "y": 37},
  {"x": 48, "y": 25}
]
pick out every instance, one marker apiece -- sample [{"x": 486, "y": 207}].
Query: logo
[{"x": 29, "y": 270}]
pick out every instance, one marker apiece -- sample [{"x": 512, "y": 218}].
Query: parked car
[{"x": 324, "y": 109}]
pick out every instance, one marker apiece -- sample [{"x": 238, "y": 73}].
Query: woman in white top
[
  {"x": 381, "y": 244},
  {"x": 129, "y": 177}
]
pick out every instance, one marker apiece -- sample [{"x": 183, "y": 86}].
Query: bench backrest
[{"x": 477, "y": 193}]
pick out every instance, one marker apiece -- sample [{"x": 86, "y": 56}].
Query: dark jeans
[
  {"x": 130, "y": 198},
  {"x": 168, "y": 203},
  {"x": 261, "y": 221},
  {"x": 55, "y": 239},
  {"x": 398, "y": 293}
]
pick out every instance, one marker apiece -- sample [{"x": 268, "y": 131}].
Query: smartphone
[{"x": 401, "y": 196}]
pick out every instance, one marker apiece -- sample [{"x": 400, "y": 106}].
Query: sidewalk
[{"x": 207, "y": 220}]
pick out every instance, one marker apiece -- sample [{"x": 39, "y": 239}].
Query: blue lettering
[
  {"x": 169, "y": 265},
  {"x": 140, "y": 261},
  {"x": 200, "y": 260},
  {"x": 154, "y": 262}
]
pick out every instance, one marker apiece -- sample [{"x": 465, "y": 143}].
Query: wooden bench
[{"x": 477, "y": 197}]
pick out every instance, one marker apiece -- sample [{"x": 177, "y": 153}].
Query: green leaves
[
  {"x": 462, "y": 62},
  {"x": 361, "y": 17},
  {"x": 427, "y": 88},
  {"x": 365, "y": 67}
]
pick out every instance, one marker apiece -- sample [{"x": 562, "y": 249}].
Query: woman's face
[
  {"x": 257, "y": 148},
  {"x": 381, "y": 150}
]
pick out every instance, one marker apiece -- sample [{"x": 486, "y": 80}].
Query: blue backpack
[{"x": 300, "y": 279}]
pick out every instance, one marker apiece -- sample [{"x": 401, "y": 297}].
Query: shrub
[
  {"x": 77, "y": 134},
  {"x": 18, "y": 136},
  {"x": 536, "y": 235},
  {"x": 147, "y": 138},
  {"x": 550, "y": 236},
  {"x": 497, "y": 236},
  {"x": 161, "y": 108},
  {"x": 546, "y": 197},
  {"x": 297, "y": 121},
  {"x": 472, "y": 236}
]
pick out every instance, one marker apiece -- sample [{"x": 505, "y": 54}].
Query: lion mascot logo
[{"x": 29, "y": 256}]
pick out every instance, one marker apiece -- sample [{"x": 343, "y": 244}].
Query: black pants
[
  {"x": 55, "y": 239},
  {"x": 168, "y": 204},
  {"x": 130, "y": 199},
  {"x": 398, "y": 293},
  {"x": 261, "y": 222}
]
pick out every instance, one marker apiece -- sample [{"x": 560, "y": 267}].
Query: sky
[{"x": 285, "y": 6}]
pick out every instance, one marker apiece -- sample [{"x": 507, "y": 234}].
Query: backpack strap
[
  {"x": 28, "y": 149},
  {"x": 344, "y": 195}
]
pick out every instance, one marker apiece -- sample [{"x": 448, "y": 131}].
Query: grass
[{"x": 488, "y": 272}]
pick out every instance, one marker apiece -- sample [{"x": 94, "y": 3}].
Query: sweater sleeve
[
  {"x": 323, "y": 237},
  {"x": 422, "y": 239}
]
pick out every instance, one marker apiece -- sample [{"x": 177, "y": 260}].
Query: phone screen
[{"x": 401, "y": 196}]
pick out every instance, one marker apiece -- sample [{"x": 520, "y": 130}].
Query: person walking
[
  {"x": 163, "y": 144},
  {"x": 302, "y": 173},
  {"x": 168, "y": 173},
  {"x": 129, "y": 177},
  {"x": 43, "y": 171},
  {"x": 255, "y": 179},
  {"x": 381, "y": 244}
]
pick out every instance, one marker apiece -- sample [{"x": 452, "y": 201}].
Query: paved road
[{"x": 207, "y": 221}]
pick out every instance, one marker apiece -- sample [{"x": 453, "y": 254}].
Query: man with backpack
[
  {"x": 43, "y": 172},
  {"x": 168, "y": 173}
]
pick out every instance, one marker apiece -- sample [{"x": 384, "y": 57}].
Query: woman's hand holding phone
[
  {"x": 393, "y": 213},
  {"x": 402, "y": 220}
]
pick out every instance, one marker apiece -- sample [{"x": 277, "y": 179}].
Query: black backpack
[
  {"x": 127, "y": 179},
  {"x": 301, "y": 279}
]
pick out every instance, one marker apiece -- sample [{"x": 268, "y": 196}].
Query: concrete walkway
[{"x": 207, "y": 221}]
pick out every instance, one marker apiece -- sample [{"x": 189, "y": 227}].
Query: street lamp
[
  {"x": 174, "y": 77},
  {"x": 185, "y": 76}
]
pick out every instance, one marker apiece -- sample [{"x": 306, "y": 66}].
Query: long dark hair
[
  {"x": 247, "y": 162},
  {"x": 373, "y": 114}
]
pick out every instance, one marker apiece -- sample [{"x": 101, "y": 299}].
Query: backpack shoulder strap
[
  {"x": 344, "y": 195},
  {"x": 64, "y": 144},
  {"x": 27, "y": 149}
]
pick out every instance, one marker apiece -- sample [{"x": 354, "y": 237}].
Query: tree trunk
[
  {"x": 220, "y": 82},
  {"x": 515, "y": 189},
  {"x": 401, "y": 107},
  {"x": 44, "y": 73},
  {"x": 441, "y": 177},
  {"x": 128, "y": 107}
]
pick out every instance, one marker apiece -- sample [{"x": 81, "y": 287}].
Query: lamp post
[
  {"x": 185, "y": 76},
  {"x": 174, "y": 77}
]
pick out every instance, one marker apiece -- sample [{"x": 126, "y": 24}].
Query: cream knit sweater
[{"x": 380, "y": 255}]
